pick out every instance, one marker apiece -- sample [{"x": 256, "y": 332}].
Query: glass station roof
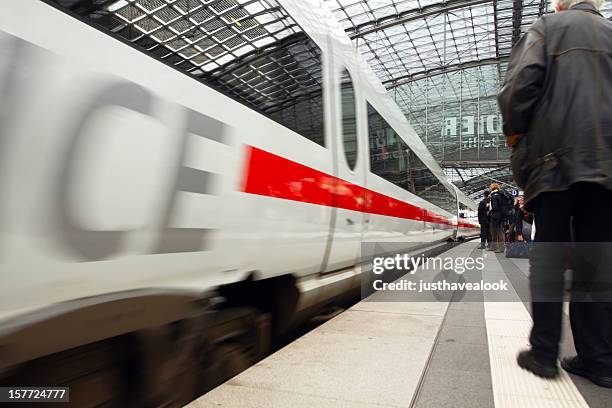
[
  {"x": 404, "y": 40},
  {"x": 443, "y": 61},
  {"x": 202, "y": 35},
  {"x": 252, "y": 50},
  {"x": 413, "y": 47},
  {"x": 473, "y": 181}
]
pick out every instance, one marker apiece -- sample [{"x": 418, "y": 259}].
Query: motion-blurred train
[{"x": 183, "y": 180}]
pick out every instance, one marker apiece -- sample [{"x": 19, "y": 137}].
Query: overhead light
[{"x": 117, "y": 5}]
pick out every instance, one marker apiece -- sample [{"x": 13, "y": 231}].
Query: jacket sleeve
[{"x": 524, "y": 81}]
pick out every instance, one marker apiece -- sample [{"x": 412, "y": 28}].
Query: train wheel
[{"x": 238, "y": 338}]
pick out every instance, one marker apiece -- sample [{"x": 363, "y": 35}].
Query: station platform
[{"x": 385, "y": 352}]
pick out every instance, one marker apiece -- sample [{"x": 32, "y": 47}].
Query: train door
[{"x": 347, "y": 138}]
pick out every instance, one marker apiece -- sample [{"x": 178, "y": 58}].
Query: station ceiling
[
  {"x": 405, "y": 40},
  {"x": 442, "y": 59}
]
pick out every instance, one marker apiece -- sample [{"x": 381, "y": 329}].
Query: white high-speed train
[{"x": 182, "y": 179}]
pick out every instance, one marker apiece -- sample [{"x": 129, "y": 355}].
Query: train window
[
  {"x": 252, "y": 51},
  {"x": 435, "y": 192},
  {"x": 349, "y": 119},
  {"x": 393, "y": 160},
  {"x": 429, "y": 187},
  {"x": 388, "y": 155}
]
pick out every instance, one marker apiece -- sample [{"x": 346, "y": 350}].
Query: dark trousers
[
  {"x": 497, "y": 235},
  {"x": 485, "y": 234},
  {"x": 580, "y": 214}
]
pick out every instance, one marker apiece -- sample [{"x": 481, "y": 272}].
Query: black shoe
[
  {"x": 482, "y": 247},
  {"x": 526, "y": 360},
  {"x": 574, "y": 366}
]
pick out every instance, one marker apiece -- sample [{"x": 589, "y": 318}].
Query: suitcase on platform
[{"x": 517, "y": 249}]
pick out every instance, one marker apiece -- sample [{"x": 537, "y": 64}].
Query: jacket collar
[{"x": 588, "y": 7}]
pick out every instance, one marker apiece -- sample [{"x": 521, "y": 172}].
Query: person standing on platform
[
  {"x": 556, "y": 104},
  {"x": 527, "y": 220},
  {"x": 516, "y": 223},
  {"x": 497, "y": 219},
  {"x": 483, "y": 220}
]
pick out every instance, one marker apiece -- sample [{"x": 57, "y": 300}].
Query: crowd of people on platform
[{"x": 502, "y": 219}]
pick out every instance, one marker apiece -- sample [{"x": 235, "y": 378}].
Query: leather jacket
[
  {"x": 557, "y": 102},
  {"x": 496, "y": 213},
  {"x": 483, "y": 211}
]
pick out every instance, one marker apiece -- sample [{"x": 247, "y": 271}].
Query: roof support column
[
  {"x": 426, "y": 110},
  {"x": 517, "y": 20},
  {"x": 460, "y": 113},
  {"x": 444, "y": 95},
  {"x": 478, "y": 82}
]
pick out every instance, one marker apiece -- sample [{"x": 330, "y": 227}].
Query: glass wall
[{"x": 456, "y": 114}]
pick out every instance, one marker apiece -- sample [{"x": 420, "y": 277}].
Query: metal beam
[
  {"x": 542, "y": 9},
  {"x": 404, "y": 79},
  {"x": 496, "y": 164},
  {"x": 496, "y": 30},
  {"x": 517, "y": 19},
  {"x": 495, "y": 23},
  {"x": 459, "y": 174},
  {"x": 378, "y": 24},
  {"x": 473, "y": 186}
]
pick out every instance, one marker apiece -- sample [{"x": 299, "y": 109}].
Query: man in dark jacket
[
  {"x": 556, "y": 104},
  {"x": 483, "y": 220},
  {"x": 497, "y": 219}
]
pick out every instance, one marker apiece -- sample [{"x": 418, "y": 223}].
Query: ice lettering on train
[
  {"x": 90, "y": 245},
  {"x": 191, "y": 180},
  {"x": 87, "y": 244}
]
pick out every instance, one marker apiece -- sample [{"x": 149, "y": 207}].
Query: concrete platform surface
[{"x": 382, "y": 353}]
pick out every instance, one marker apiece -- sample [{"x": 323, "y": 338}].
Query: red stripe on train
[{"x": 274, "y": 176}]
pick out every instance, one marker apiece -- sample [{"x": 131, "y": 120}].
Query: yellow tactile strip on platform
[{"x": 508, "y": 326}]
